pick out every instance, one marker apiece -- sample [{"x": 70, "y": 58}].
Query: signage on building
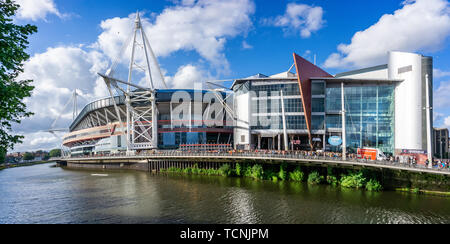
[
  {"x": 407, "y": 151},
  {"x": 296, "y": 142},
  {"x": 335, "y": 141},
  {"x": 317, "y": 139}
]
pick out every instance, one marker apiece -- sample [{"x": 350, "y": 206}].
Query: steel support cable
[
  {"x": 116, "y": 61},
  {"x": 61, "y": 113},
  {"x": 154, "y": 58}
]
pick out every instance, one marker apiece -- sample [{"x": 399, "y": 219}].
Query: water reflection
[{"x": 40, "y": 194}]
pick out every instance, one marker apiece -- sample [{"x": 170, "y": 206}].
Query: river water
[{"x": 44, "y": 194}]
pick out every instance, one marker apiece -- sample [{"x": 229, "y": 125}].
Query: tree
[
  {"x": 55, "y": 153},
  {"x": 28, "y": 156},
  {"x": 2, "y": 156},
  {"x": 13, "y": 42}
]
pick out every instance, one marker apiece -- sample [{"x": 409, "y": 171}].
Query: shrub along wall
[{"x": 363, "y": 179}]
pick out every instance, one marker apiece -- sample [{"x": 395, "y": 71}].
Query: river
[{"x": 45, "y": 194}]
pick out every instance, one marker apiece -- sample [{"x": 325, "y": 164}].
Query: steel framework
[{"x": 141, "y": 110}]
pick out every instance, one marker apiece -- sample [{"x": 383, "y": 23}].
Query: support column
[
  {"x": 344, "y": 134},
  {"x": 259, "y": 142},
  {"x": 292, "y": 143},
  {"x": 154, "y": 121},
  {"x": 279, "y": 142},
  {"x": 286, "y": 147},
  {"x": 324, "y": 142}
]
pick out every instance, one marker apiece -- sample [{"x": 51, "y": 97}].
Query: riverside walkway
[{"x": 269, "y": 158}]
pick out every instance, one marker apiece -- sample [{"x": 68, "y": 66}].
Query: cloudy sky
[{"x": 217, "y": 39}]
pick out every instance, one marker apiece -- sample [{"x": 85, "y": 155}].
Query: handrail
[{"x": 260, "y": 155}]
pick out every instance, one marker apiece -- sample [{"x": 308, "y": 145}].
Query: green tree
[
  {"x": 55, "y": 153},
  {"x": 28, "y": 156},
  {"x": 13, "y": 42},
  {"x": 2, "y": 156}
]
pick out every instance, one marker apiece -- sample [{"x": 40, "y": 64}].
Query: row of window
[
  {"x": 179, "y": 138},
  {"x": 274, "y": 106}
]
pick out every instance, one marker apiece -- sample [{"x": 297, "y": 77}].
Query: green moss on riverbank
[{"x": 336, "y": 177}]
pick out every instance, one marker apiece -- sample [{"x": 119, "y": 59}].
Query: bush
[
  {"x": 257, "y": 172},
  {"x": 314, "y": 178},
  {"x": 374, "y": 185},
  {"x": 332, "y": 180},
  {"x": 282, "y": 174},
  {"x": 225, "y": 170},
  {"x": 187, "y": 171},
  {"x": 355, "y": 180},
  {"x": 238, "y": 170},
  {"x": 248, "y": 171},
  {"x": 270, "y": 175},
  {"x": 196, "y": 170},
  {"x": 296, "y": 175}
]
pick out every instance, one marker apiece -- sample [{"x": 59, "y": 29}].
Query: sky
[{"x": 200, "y": 40}]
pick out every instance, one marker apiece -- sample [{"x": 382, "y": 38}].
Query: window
[{"x": 318, "y": 88}]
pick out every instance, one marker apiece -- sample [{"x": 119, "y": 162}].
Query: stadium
[
  {"x": 386, "y": 108},
  {"x": 193, "y": 120},
  {"x": 138, "y": 117}
]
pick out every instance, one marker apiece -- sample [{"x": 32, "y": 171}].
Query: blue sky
[{"x": 222, "y": 40}]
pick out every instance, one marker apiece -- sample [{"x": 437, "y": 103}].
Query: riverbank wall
[{"x": 389, "y": 179}]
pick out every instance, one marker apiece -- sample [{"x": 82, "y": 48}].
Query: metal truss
[{"x": 141, "y": 111}]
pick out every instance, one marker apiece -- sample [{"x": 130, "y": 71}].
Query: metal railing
[{"x": 264, "y": 155}]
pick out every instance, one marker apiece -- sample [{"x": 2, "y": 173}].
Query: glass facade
[
  {"x": 318, "y": 105},
  {"x": 266, "y": 106},
  {"x": 274, "y": 106},
  {"x": 318, "y": 122},
  {"x": 318, "y": 88},
  {"x": 276, "y": 123},
  {"x": 290, "y": 89},
  {"x": 369, "y": 115}
]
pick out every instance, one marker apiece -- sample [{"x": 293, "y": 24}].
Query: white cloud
[
  {"x": 245, "y": 45},
  {"x": 441, "y": 98},
  {"x": 202, "y": 26},
  {"x": 437, "y": 116},
  {"x": 447, "y": 122},
  {"x": 37, "y": 9},
  {"x": 187, "y": 76},
  {"x": 38, "y": 141},
  {"x": 299, "y": 18},
  {"x": 420, "y": 25},
  {"x": 437, "y": 73},
  {"x": 55, "y": 74}
]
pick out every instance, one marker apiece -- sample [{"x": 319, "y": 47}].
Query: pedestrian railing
[{"x": 261, "y": 155}]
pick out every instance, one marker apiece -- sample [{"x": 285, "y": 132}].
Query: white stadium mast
[
  {"x": 73, "y": 99},
  {"x": 142, "y": 120}
]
